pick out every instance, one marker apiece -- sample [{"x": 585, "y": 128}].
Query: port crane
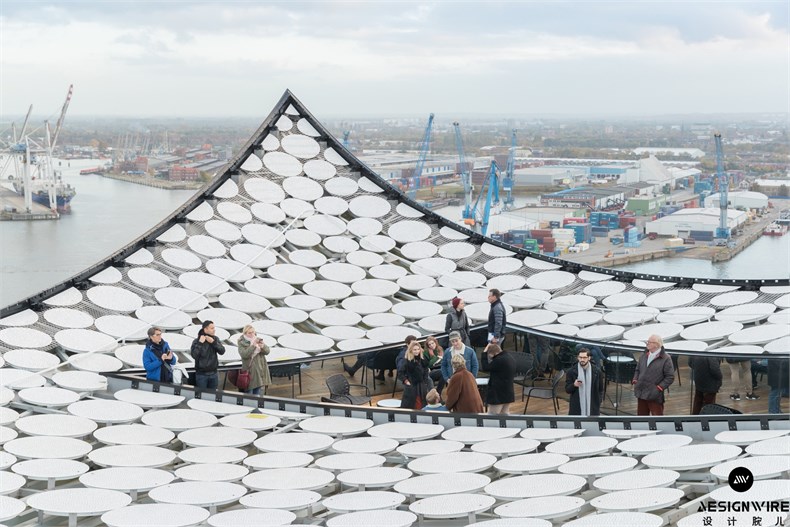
[
  {"x": 466, "y": 174},
  {"x": 489, "y": 188},
  {"x": 413, "y": 182},
  {"x": 723, "y": 231},
  {"x": 507, "y": 181},
  {"x": 345, "y": 138},
  {"x": 32, "y": 160}
]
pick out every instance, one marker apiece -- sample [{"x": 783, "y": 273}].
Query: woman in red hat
[{"x": 458, "y": 321}]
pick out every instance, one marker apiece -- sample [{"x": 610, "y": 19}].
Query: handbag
[{"x": 243, "y": 380}]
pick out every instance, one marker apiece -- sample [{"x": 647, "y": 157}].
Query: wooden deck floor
[{"x": 678, "y": 400}]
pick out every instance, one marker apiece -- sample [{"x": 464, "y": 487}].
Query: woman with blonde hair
[
  {"x": 416, "y": 381},
  {"x": 253, "y": 353}
]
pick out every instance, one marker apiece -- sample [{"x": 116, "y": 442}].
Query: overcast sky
[{"x": 227, "y": 59}]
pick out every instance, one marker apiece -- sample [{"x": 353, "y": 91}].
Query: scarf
[
  {"x": 166, "y": 371},
  {"x": 652, "y": 356},
  {"x": 585, "y": 392}
]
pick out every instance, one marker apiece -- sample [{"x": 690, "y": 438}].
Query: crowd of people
[{"x": 439, "y": 379}]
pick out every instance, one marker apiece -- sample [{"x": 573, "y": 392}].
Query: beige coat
[{"x": 258, "y": 367}]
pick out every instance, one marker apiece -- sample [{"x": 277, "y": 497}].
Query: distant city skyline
[{"x": 357, "y": 59}]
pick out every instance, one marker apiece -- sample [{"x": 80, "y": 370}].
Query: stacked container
[
  {"x": 531, "y": 245},
  {"x": 701, "y": 236},
  {"x": 563, "y": 238},
  {"x": 631, "y": 237},
  {"x": 582, "y": 232}
]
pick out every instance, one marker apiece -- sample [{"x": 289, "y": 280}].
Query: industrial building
[
  {"x": 740, "y": 200},
  {"x": 549, "y": 176},
  {"x": 682, "y": 222}
]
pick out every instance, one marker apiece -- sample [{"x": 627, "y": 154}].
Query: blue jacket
[
  {"x": 469, "y": 356},
  {"x": 153, "y": 362}
]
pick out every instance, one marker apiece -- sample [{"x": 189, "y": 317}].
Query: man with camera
[{"x": 205, "y": 349}]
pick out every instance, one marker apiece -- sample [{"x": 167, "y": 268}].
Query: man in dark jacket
[
  {"x": 707, "y": 381},
  {"x": 502, "y": 370},
  {"x": 583, "y": 383},
  {"x": 205, "y": 349},
  {"x": 497, "y": 318},
  {"x": 654, "y": 374}
]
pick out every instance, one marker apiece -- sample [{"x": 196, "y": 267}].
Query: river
[{"x": 107, "y": 214}]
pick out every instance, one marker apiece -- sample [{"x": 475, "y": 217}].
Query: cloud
[{"x": 174, "y": 57}]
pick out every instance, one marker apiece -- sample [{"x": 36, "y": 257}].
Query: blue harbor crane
[
  {"x": 489, "y": 188},
  {"x": 507, "y": 181},
  {"x": 466, "y": 174},
  {"x": 723, "y": 231},
  {"x": 412, "y": 183},
  {"x": 345, "y": 138}
]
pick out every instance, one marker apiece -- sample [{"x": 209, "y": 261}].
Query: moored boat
[{"x": 775, "y": 229}]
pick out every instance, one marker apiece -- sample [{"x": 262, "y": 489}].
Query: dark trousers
[
  {"x": 207, "y": 381},
  {"x": 645, "y": 407},
  {"x": 700, "y": 400},
  {"x": 438, "y": 379}
]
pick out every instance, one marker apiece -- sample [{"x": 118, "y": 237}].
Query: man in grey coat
[{"x": 654, "y": 374}]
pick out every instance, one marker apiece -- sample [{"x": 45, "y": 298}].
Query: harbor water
[{"x": 107, "y": 214}]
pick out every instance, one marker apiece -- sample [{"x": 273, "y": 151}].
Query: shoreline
[{"x": 157, "y": 183}]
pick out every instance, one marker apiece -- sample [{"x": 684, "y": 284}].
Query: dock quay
[
  {"x": 12, "y": 208},
  {"x": 153, "y": 182}
]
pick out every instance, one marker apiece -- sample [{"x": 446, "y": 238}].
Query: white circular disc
[
  {"x": 550, "y": 280},
  {"x": 264, "y": 190},
  {"x": 181, "y": 259},
  {"x": 234, "y": 212},
  {"x": 303, "y": 188},
  {"x": 327, "y": 290},
  {"x": 369, "y": 207},
  {"x": 174, "y": 234},
  {"x": 203, "y": 212},
  {"x": 140, "y": 257},
  {"x": 341, "y": 186},
  {"x": 253, "y": 255},
  {"x": 340, "y": 244},
  {"x": 263, "y": 235},
  {"x": 222, "y": 230},
  {"x": 227, "y": 190},
  {"x": 148, "y": 278},
  {"x": 268, "y": 213},
  {"x": 418, "y": 250},
  {"x": 253, "y": 163},
  {"x": 269, "y": 288},
  {"x": 182, "y": 299},
  {"x": 65, "y": 317},
  {"x": 319, "y": 170},
  {"x": 409, "y": 231},
  {"x": 282, "y": 164},
  {"x": 331, "y": 205},
  {"x": 85, "y": 340},
  {"x": 229, "y": 270},
  {"x": 363, "y": 226},
  {"x": 270, "y": 143},
  {"x": 300, "y": 146}
]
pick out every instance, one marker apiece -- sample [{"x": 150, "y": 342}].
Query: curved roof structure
[{"x": 304, "y": 241}]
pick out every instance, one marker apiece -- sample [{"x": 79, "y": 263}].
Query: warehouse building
[
  {"x": 740, "y": 200},
  {"x": 550, "y": 176},
  {"x": 682, "y": 222}
]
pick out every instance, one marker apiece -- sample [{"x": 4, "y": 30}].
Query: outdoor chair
[
  {"x": 290, "y": 371},
  {"x": 718, "y": 409},
  {"x": 340, "y": 391},
  {"x": 541, "y": 392}
]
